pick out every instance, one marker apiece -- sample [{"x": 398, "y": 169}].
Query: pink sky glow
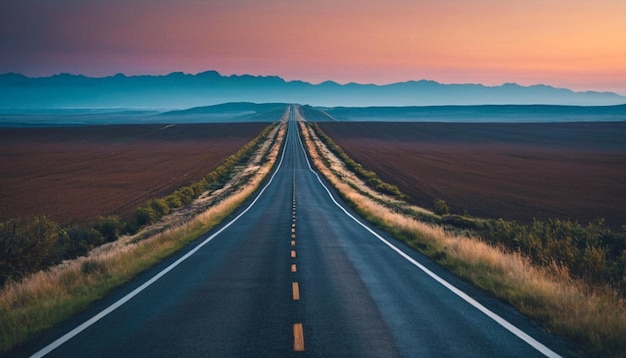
[{"x": 564, "y": 43}]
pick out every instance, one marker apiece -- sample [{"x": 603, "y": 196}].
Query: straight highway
[{"x": 294, "y": 272}]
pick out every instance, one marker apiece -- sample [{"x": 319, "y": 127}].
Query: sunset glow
[{"x": 575, "y": 44}]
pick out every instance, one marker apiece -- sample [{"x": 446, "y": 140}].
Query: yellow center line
[
  {"x": 298, "y": 334},
  {"x": 298, "y": 337}
]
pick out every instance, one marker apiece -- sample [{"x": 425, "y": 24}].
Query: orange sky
[{"x": 574, "y": 44}]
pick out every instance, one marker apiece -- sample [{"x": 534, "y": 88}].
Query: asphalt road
[{"x": 296, "y": 275}]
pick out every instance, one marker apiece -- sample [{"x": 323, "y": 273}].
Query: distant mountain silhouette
[{"x": 179, "y": 90}]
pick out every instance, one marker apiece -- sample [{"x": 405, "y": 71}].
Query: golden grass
[
  {"x": 593, "y": 321},
  {"x": 48, "y": 297}
]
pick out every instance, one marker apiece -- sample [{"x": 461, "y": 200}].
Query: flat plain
[
  {"x": 517, "y": 171},
  {"x": 74, "y": 175}
]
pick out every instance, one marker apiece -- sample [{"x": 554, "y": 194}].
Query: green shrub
[
  {"x": 441, "y": 207},
  {"x": 185, "y": 195},
  {"x": 110, "y": 227},
  {"x": 160, "y": 207},
  {"x": 26, "y": 246},
  {"x": 77, "y": 241},
  {"x": 144, "y": 215},
  {"x": 173, "y": 201}
]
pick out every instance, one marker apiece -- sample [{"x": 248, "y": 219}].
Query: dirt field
[
  {"x": 513, "y": 171},
  {"x": 76, "y": 174}
]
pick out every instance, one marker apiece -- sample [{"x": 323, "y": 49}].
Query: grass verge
[
  {"x": 48, "y": 297},
  {"x": 592, "y": 320}
]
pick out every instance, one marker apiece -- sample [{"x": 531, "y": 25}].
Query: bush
[
  {"x": 77, "y": 241},
  {"x": 160, "y": 207},
  {"x": 173, "y": 201},
  {"x": 185, "y": 195},
  {"x": 144, "y": 215},
  {"x": 26, "y": 246},
  {"x": 441, "y": 207},
  {"x": 110, "y": 227}
]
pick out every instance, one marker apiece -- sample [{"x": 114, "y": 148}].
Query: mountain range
[{"x": 178, "y": 91}]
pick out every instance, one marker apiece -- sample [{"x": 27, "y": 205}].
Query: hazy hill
[
  {"x": 478, "y": 113},
  {"x": 222, "y": 113},
  {"x": 228, "y": 112},
  {"x": 179, "y": 90}
]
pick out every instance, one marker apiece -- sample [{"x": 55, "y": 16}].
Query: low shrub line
[
  {"x": 28, "y": 245},
  {"x": 590, "y": 252},
  {"x": 592, "y": 317},
  {"x": 47, "y": 297},
  {"x": 157, "y": 208},
  {"x": 369, "y": 176}
]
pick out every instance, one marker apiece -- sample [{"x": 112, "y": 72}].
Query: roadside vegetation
[
  {"x": 28, "y": 245},
  {"x": 369, "y": 176},
  {"x": 592, "y": 252},
  {"x": 568, "y": 276},
  {"x": 51, "y": 272}
]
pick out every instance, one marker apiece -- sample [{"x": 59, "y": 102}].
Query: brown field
[
  {"x": 74, "y": 175},
  {"x": 509, "y": 170}
]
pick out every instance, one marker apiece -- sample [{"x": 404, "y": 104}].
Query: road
[{"x": 296, "y": 274}]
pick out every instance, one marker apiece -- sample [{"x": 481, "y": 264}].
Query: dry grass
[
  {"x": 47, "y": 297},
  {"x": 593, "y": 321}
]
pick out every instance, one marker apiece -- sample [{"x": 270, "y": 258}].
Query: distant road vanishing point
[{"x": 295, "y": 272}]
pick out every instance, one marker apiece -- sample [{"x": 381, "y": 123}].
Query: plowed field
[
  {"x": 514, "y": 171},
  {"x": 74, "y": 175}
]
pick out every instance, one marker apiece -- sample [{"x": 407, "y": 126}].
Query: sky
[{"x": 576, "y": 44}]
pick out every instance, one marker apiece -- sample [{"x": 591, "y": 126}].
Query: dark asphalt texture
[{"x": 234, "y": 298}]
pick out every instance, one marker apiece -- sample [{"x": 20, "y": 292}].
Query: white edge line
[
  {"x": 74, "y": 332},
  {"x": 501, "y": 321}
]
